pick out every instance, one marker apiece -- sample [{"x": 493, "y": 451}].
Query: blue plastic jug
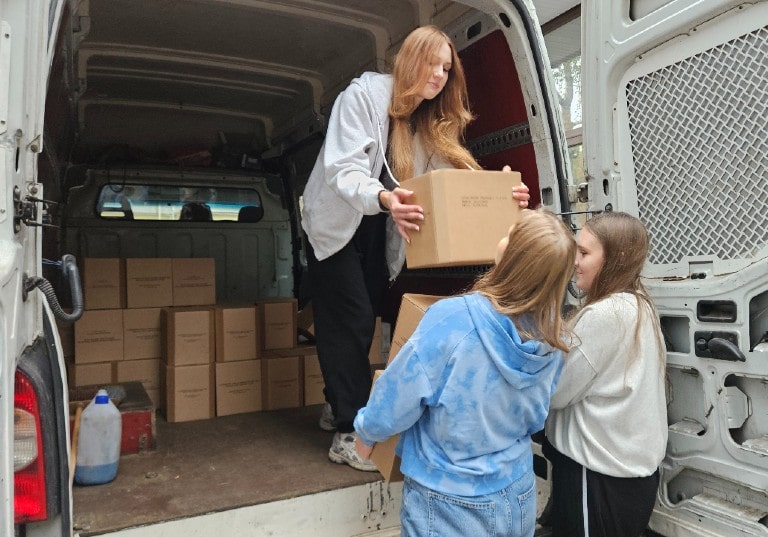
[{"x": 98, "y": 442}]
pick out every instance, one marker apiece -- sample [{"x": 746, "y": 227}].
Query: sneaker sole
[
  {"x": 327, "y": 427},
  {"x": 338, "y": 459}
]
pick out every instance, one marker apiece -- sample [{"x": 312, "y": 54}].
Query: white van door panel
[
  {"x": 664, "y": 114},
  {"x": 26, "y": 41},
  {"x": 676, "y": 96},
  {"x": 5, "y": 74}
]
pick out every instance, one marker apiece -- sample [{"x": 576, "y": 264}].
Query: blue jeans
[{"x": 510, "y": 512}]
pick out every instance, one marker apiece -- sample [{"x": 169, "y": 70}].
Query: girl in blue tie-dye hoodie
[{"x": 470, "y": 387}]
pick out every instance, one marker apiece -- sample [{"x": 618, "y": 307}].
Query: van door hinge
[
  {"x": 578, "y": 193},
  {"x": 25, "y": 211}
]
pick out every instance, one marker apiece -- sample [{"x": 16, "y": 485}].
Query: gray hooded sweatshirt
[{"x": 347, "y": 177}]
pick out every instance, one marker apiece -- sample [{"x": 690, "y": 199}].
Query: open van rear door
[
  {"x": 676, "y": 98},
  {"x": 35, "y": 497}
]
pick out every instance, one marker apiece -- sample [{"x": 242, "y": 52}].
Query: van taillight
[{"x": 29, "y": 503}]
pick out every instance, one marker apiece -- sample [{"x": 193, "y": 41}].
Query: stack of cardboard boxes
[
  {"x": 187, "y": 367},
  {"x": 156, "y": 320},
  {"x": 118, "y": 338},
  {"x": 238, "y": 365}
]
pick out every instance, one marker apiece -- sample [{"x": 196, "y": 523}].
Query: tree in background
[{"x": 567, "y": 77}]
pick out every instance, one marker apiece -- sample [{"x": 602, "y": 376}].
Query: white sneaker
[
  {"x": 343, "y": 452},
  {"x": 326, "y": 422}
]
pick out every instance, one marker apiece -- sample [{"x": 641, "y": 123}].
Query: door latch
[
  {"x": 718, "y": 345},
  {"x": 25, "y": 211}
]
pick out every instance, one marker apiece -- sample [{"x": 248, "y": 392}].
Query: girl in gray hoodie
[{"x": 382, "y": 129}]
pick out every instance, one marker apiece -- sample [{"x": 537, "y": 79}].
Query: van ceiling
[
  {"x": 158, "y": 73},
  {"x": 170, "y": 75}
]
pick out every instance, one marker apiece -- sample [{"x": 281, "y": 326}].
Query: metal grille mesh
[{"x": 696, "y": 126}]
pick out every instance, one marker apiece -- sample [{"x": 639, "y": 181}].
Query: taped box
[
  {"x": 412, "y": 308},
  {"x": 466, "y": 212}
]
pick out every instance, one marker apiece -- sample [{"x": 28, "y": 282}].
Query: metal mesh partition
[{"x": 695, "y": 126}]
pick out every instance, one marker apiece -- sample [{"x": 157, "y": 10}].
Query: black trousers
[
  {"x": 347, "y": 292},
  {"x": 613, "y": 506}
]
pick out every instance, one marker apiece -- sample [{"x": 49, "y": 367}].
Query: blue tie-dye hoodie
[{"x": 466, "y": 393}]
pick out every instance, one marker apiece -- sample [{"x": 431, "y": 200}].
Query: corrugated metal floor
[{"x": 214, "y": 465}]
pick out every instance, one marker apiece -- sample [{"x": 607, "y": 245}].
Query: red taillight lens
[{"x": 29, "y": 503}]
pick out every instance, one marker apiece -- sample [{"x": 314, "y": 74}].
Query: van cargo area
[
  {"x": 186, "y": 130},
  {"x": 244, "y": 463},
  {"x": 233, "y": 462}
]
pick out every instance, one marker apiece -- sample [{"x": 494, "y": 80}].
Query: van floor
[{"x": 213, "y": 465}]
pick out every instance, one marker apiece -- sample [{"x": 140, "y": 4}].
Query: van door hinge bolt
[{"x": 34, "y": 145}]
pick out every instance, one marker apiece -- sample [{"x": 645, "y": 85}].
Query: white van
[{"x": 114, "y": 112}]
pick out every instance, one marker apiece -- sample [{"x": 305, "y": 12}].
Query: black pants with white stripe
[
  {"x": 347, "y": 292},
  {"x": 587, "y": 504}
]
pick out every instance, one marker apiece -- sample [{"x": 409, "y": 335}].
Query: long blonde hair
[
  {"x": 532, "y": 275},
  {"x": 625, "y": 243},
  {"x": 440, "y": 121}
]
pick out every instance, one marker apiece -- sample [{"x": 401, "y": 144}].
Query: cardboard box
[
  {"x": 149, "y": 282},
  {"x": 374, "y": 355},
  {"x": 305, "y": 325},
  {"x": 384, "y": 456},
  {"x": 142, "y": 336},
  {"x": 188, "y": 334},
  {"x": 386, "y": 460},
  {"x": 304, "y": 349},
  {"x": 194, "y": 281},
  {"x": 279, "y": 323},
  {"x": 465, "y": 214},
  {"x": 238, "y": 387},
  {"x": 100, "y": 374},
  {"x": 305, "y": 319},
  {"x": 412, "y": 309},
  {"x": 189, "y": 392},
  {"x": 99, "y": 336},
  {"x": 313, "y": 381},
  {"x": 237, "y": 333},
  {"x": 103, "y": 283},
  {"x": 145, "y": 371},
  {"x": 281, "y": 386}
]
